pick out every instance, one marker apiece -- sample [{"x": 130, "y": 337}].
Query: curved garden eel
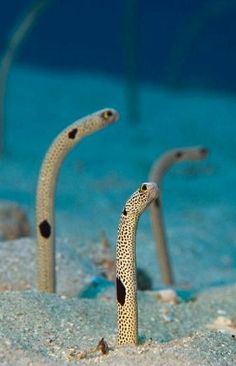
[
  {"x": 157, "y": 172},
  {"x": 60, "y": 147},
  {"x": 126, "y": 284}
]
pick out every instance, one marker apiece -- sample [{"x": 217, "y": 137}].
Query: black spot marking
[
  {"x": 203, "y": 151},
  {"x": 124, "y": 212},
  {"x": 157, "y": 202},
  {"x": 120, "y": 291},
  {"x": 179, "y": 154},
  {"x": 72, "y": 133},
  {"x": 45, "y": 229}
]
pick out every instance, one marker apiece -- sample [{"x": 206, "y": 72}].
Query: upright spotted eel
[
  {"x": 60, "y": 147},
  {"x": 157, "y": 172},
  {"x": 126, "y": 284}
]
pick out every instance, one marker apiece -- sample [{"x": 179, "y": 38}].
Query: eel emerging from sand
[
  {"x": 65, "y": 141},
  {"x": 126, "y": 284},
  {"x": 157, "y": 172}
]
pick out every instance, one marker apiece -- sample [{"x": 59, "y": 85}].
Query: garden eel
[
  {"x": 157, "y": 172},
  {"x": 126, "y": 283},
  {"x": 60, "y": 147}
]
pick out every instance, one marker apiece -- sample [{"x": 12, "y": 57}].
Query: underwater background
[{"x": 169, "y": 68}]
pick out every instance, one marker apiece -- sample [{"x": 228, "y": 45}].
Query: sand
[{"x": 38, "y": 329}]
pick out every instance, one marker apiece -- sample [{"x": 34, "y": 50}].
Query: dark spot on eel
[
  {"x": 124, "y": 212},
  {"x": 157, "y": 202},
  {"x": 179, "y": 154},
  {"x": 120, "y": 291},
  {"x": 45, "y": 229},
  {"x": 72, "y": 133},
  {"x": 203, "y": 151}
]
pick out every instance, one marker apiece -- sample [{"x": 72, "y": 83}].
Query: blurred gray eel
[
  {"x": 45, "y": 220},
  {"x": 157, "y": 172}
]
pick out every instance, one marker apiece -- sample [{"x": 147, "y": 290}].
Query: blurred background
[
  {"x": 169, "y": 68},
  {"x": 185, "y": 44}
]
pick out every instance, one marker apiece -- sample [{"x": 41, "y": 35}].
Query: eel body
[
  {"x": 158, "y": 170},
  {"x": 64, "y": 142},
  {"x": 126, "y": 283}
]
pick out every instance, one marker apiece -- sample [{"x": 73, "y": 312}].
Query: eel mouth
[{"x": 117, "y": 116}]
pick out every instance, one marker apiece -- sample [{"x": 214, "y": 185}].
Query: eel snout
[{"x": 153, "y": 191}]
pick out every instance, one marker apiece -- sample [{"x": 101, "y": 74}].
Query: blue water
[{"x": 184, "y": 43}]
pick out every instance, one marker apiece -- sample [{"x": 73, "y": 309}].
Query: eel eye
[
  {"x": 143, "y": 188},
  {"x": 179, "y": 154},
  {"x": 107, "y": 114},
  {"x": 203, "y": 151}
]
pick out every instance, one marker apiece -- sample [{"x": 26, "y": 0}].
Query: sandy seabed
[
  {"x": 39, "y": 329},
  {"x": 55, "y": 330}
]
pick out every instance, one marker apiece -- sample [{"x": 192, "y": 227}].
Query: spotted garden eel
[
  {"x": 60, "y": 147},
  {"x": 126, "y": 283},
  {"x": 157, "y": 172}
]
